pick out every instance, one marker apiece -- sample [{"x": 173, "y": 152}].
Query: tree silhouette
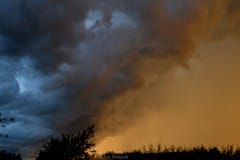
[
  {"x": 9, "y": 156},
  {"x": 3, "y": 121},
  {"x": 68, "y": 147},
  {"x": 4, "y": 155}
]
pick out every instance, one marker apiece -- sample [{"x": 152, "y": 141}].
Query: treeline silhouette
[
  {"x": 79, "y": 146},
  {"x": 4, "y": 155},
  {"x": 178, "y": 153}
]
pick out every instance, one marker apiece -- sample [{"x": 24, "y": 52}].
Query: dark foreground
[
  {"x": 197, "y": 153},
  {"x": 171, "y": 153}
]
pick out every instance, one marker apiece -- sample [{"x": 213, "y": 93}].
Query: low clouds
[{"x": 64, "y": 63}]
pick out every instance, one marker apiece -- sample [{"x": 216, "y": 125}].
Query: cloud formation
[{"x": 65, "y": 64}]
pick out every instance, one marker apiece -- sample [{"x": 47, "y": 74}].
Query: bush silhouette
[
  {"x": 9, "y": 156},
  {"x": 68, "y": 147}
]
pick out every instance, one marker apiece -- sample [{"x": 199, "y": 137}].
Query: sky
[
  {"x": 200, "y": 106},
  {"x": 153, "y": 71}
]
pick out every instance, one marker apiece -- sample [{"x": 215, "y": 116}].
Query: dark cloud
[
  {"x": 9, "y": 87},
  {"x": 62, "y": 62},
  {"x": 46, "y": 30}
]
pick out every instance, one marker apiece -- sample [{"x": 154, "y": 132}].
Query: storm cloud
[{"x": 64, "y": 64}]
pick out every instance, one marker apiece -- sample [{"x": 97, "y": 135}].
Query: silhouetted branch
[{"x": 5, "y": 120}]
